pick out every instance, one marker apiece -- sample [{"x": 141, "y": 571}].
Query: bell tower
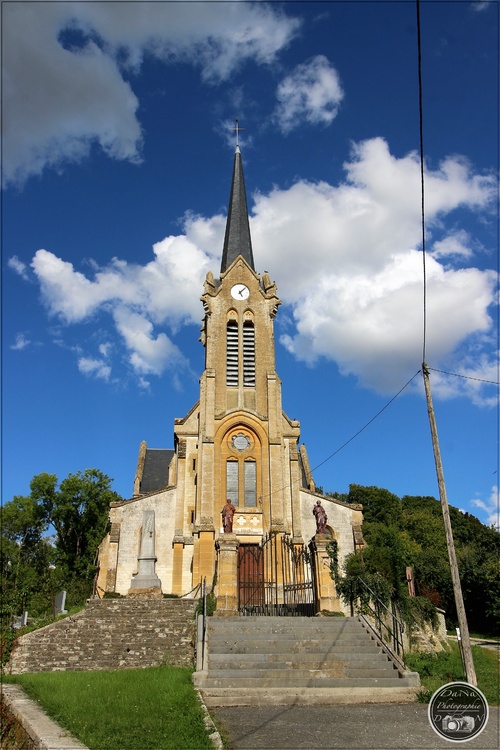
[
  {"x": 240, "y": 308},
  {"x": 247, "y": 447}
]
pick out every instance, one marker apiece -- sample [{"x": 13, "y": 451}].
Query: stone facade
[{"x": 235, "y": 442}]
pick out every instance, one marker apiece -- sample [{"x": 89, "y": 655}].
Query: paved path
[
  {"x": 493, "y": 645},
  {"x": 347, "y": 727},
  {"x": 380, "y": 726}
]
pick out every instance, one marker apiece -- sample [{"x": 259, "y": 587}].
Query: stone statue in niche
[
  {"x": 321, "y": 518},
  {"x": 227, "y": 516}
]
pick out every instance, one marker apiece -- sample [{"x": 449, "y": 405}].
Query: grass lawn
[
  {"x": 437, "y": 670},
  {"x": 130, "y": 709}
]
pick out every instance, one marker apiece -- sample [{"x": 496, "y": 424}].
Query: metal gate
[{"x": 276, "y": 577}]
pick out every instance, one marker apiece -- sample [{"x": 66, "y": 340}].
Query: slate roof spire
[{"x": 237, "y": 240}]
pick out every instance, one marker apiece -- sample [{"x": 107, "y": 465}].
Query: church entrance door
[
  {"x": 276, "y": 577},
  {"x": 250, "y": 577}
]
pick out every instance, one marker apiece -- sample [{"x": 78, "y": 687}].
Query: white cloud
[
  {"x": 96, "y": 367},
  {"x": 311, "y": 93},
  {"x": 163, "y": 292},
  {"x": 455, "y": 244},
  {"x": 21, "y": 342},
  {"x": 149, "y": 355},
  {"x": 59, "y": 100},
  {"x": 480, "y": 5},
  {"x": 490, "y": 507},
  {"x": 105, "y": 349},
  {"x": 347, "y": 266},
  {"x": 18, "y": 266},
  {"x": 345, "y": 259},
  {"x": 167, "y": 288}
]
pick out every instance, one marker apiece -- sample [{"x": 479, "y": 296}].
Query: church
[{"x": 233, "y": 503}]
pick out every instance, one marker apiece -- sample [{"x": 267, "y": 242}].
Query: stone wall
[{"x": 111, "y": 634}]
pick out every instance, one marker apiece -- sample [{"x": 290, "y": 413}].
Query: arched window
[
  {"x": 250, "y": 469},
  {"x": 232, "y": 481},
  {"x": 242, "y": 455},
  {"x": 241, "y": 482}
]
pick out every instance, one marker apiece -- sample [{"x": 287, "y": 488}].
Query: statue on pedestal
[
  {"x": 321, "y": 518},
  {"x": 227, "y": 516}
]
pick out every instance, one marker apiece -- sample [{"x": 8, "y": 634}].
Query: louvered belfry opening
[
  {"x": 248, "y": 354},
  {"x": 232, "y": 354}
]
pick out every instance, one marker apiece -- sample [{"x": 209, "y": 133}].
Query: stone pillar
[
  {"x": 140, "y": 468},
  {"x": 327, "y": 595},
  {"x": 112, "y": 566},
  {"x": 205, "y": 553},
  {"x": 275, "y": 571},
  {"x": 226, "y": 589},
  {"x": 178, "y": 545},
  {"x": 146, "y": 577}
]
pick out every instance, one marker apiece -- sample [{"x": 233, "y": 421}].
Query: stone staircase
[
  {"x": 299, "y": 660},
  {"x": 111, "y": 634}
]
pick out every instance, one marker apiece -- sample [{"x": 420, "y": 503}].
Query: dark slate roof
[
  {"x": 237, "y": 240},
  {"x": 155, "y": 474}
]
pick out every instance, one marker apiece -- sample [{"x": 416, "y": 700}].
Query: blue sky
[{"x": 117, "y": 158}]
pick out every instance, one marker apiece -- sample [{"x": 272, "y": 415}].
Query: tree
[
  {"x": 410, "y": 532},
  {"x": 25, "y": 555},
  {"x": 478, "y": 552},
  {"x": 378, "y": 504},
  {"x": 77, "y": 511}
]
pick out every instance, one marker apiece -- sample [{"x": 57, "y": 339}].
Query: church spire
[{"x": 237, "y": 240}]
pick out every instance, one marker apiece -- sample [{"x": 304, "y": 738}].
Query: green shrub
[{"x": 437, "y": 669}]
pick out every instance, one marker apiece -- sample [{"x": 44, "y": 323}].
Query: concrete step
[
  {"x": 348, "y": 642},
  {"x": 318, "y": 682},
  {"x": 299, "y": 660},
  {"x": 293, "y": 674},
  {"x": 309, "y": 696},
  {"x": 281, "y": 646},
  {"x": 322, "y": 626},
  {"x": 354, "y": 669},
  {"x": 278, "y": 661},
  {"x": 269, "y": 621}
]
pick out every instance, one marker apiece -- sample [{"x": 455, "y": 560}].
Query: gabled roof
[
  {"x": 237, "y": 240},
  {"x": 155, "y": 474}
]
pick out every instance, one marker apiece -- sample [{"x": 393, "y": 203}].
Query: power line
[
  {"x": 422, "y": 181},
  {"x": 466, "y": 377},
  {"x": 368, "y": 423},
  {"x": 353, "y": 437}
]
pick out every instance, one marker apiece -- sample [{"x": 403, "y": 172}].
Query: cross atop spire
[
  {"x": 237, "y": 128},
  {"x": 237, "y": 240}
]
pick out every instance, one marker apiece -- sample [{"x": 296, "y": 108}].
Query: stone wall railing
[{"x": 111, "y": 634}]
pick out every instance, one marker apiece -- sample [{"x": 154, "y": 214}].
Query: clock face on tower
[{"x": 240, "y": 291}]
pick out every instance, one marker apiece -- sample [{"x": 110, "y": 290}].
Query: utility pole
[{"x": 470, "y": 672}]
